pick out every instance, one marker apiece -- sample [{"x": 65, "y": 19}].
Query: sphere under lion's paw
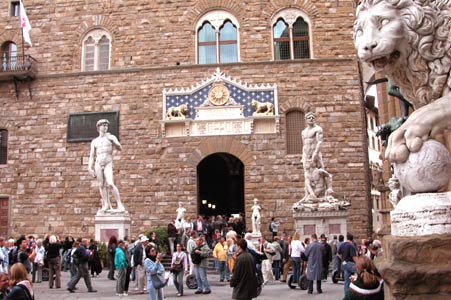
[{"x": 428, "y": 170}]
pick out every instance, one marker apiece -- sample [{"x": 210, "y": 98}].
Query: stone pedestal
[
  {"x": 109, "y": 224},
  {"x": 422, "y": 214},
  {"x": 255, "y": 238},
  {"x": 416, "y": 268},
  {"x": 328, "y": 222}
]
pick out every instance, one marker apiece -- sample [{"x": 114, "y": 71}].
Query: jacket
[
  {"x": 244, "y": 279},
  {"x": 120, "y": 260},
  {"x": 205, "y": 252},
  {"x": 220, "y": 252},
  {"x": 358, "y": 290},
  {"x": 19, "y": 292},
  {"x": 314, "y": 252},
  {"x": 138, "y": 255},
  {"x": 152, "y": 267}
]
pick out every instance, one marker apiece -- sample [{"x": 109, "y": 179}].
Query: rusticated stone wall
[{"x": 153, "y": 48}]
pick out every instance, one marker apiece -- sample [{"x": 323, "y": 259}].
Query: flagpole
[
  {"x": 23, "y": 48},
  {"x": 21, "y": 29}
]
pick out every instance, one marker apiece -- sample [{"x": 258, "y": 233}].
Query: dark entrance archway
[{"x": 221, "y": 183}]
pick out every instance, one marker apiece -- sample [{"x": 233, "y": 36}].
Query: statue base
[
  {"x": 319, "y": 222},
  {"x": 417, "y": 268},
  {"x": 422, "y": 214},
  {"x": 256, "y": 238},
  {"x": 108, "y": 224}
]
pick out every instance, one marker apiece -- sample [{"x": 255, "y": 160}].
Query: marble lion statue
[
  {"x": 262, "y": 108},
  {"x": 409, "y": 42},
  {"x": 177, "y": 112}
]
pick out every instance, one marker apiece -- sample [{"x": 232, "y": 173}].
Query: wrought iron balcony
[{"x": 20, "y": 67}]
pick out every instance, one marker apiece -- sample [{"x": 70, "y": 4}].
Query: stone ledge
[{"x": 319, "y": 214}]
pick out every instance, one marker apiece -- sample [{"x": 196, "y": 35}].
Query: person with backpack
[
  {"x": 179, "y": 267},
  {"x": 80, "y": 258},
  {"x": 200, "y": 260}
]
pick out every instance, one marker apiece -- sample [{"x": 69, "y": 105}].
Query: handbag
[
  {"x": 158, "y": 281},
  {"x": 178, "y": 264}
]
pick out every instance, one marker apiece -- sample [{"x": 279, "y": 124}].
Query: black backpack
[
  {"x": 270, "y": 228},
  {"x": 196, "y": 258},
  {"x": 12, "y": 256}
]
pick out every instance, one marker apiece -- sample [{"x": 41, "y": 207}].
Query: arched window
[
  {"x": 207, "y": 44},
  {"x": 291, "y": 35},
  {"x": 3, "y": 146},
  {"x": 301, "y": 39},
  {"x": 295, "y": 123},
  {"x": 217, "y": 38},
  {"x": 281, "y": 40},
  {"x": 227, "y": 43},
  {"x": 9, "y": 56},
  {"x": 96, "y": 51}
]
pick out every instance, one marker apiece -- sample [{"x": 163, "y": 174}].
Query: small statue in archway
[
  {"x": 256, "y": 218},
  {"x": 180, "y": 219}
]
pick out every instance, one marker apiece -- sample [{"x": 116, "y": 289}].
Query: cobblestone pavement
[{"x": 106, "y": 290}]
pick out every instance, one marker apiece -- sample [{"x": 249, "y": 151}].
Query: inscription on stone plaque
[{"x": 81, "y": 127}]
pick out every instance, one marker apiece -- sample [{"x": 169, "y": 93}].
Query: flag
[{"x": 25, "y": 24}]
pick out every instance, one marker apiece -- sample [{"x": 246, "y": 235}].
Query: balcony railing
[{"x": 19, "y": 67}]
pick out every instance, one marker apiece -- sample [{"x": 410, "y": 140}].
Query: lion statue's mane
[{"x": 427, "y": 30}]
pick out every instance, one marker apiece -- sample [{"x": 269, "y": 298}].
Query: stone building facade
[{"x": 153, "y": 48}]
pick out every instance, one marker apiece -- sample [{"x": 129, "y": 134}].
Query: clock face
[{"x": 218, "y": 95}]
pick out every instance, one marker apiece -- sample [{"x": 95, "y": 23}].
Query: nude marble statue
[{"x": 100, "y": 165}]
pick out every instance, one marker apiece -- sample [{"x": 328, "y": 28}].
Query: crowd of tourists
[{"x": 135, "y": 263}]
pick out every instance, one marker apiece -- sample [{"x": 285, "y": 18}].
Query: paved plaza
[{"x": 106, "y": 291}]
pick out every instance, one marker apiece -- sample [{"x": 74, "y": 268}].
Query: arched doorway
[{"x": 221, "y": 183}]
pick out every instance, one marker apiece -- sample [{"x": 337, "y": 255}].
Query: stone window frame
[
  {"x": 290, "y": 16},
  {"x": 293, "y": 138},
  {"x": 3, "y": 146},
  {"x": 14, "y": 8},
  {"x": 217, "y": 18},
  {"x": 96, "y": 34}
]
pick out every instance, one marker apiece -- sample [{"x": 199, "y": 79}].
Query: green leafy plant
[
  {"x": 103, "y": 253},
  {"x": 162, "y": 236}
]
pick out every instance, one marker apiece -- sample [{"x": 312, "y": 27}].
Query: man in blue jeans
[
  {"x": 348, "y": 255},
  {"x": 200, "y": 267}
]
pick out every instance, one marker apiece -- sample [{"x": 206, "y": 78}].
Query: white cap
[{"x": 144, "y": 238}]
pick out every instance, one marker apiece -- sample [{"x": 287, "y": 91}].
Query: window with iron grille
[
  {"x": 291, "y": 35},
  {"x": 3, "y": 146},
  {"x": 217, "y": 38},
  {"x": 96, "y": 51},
  {"x": 9, "y": 56},
  {"x": 295, "y": 123}
]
